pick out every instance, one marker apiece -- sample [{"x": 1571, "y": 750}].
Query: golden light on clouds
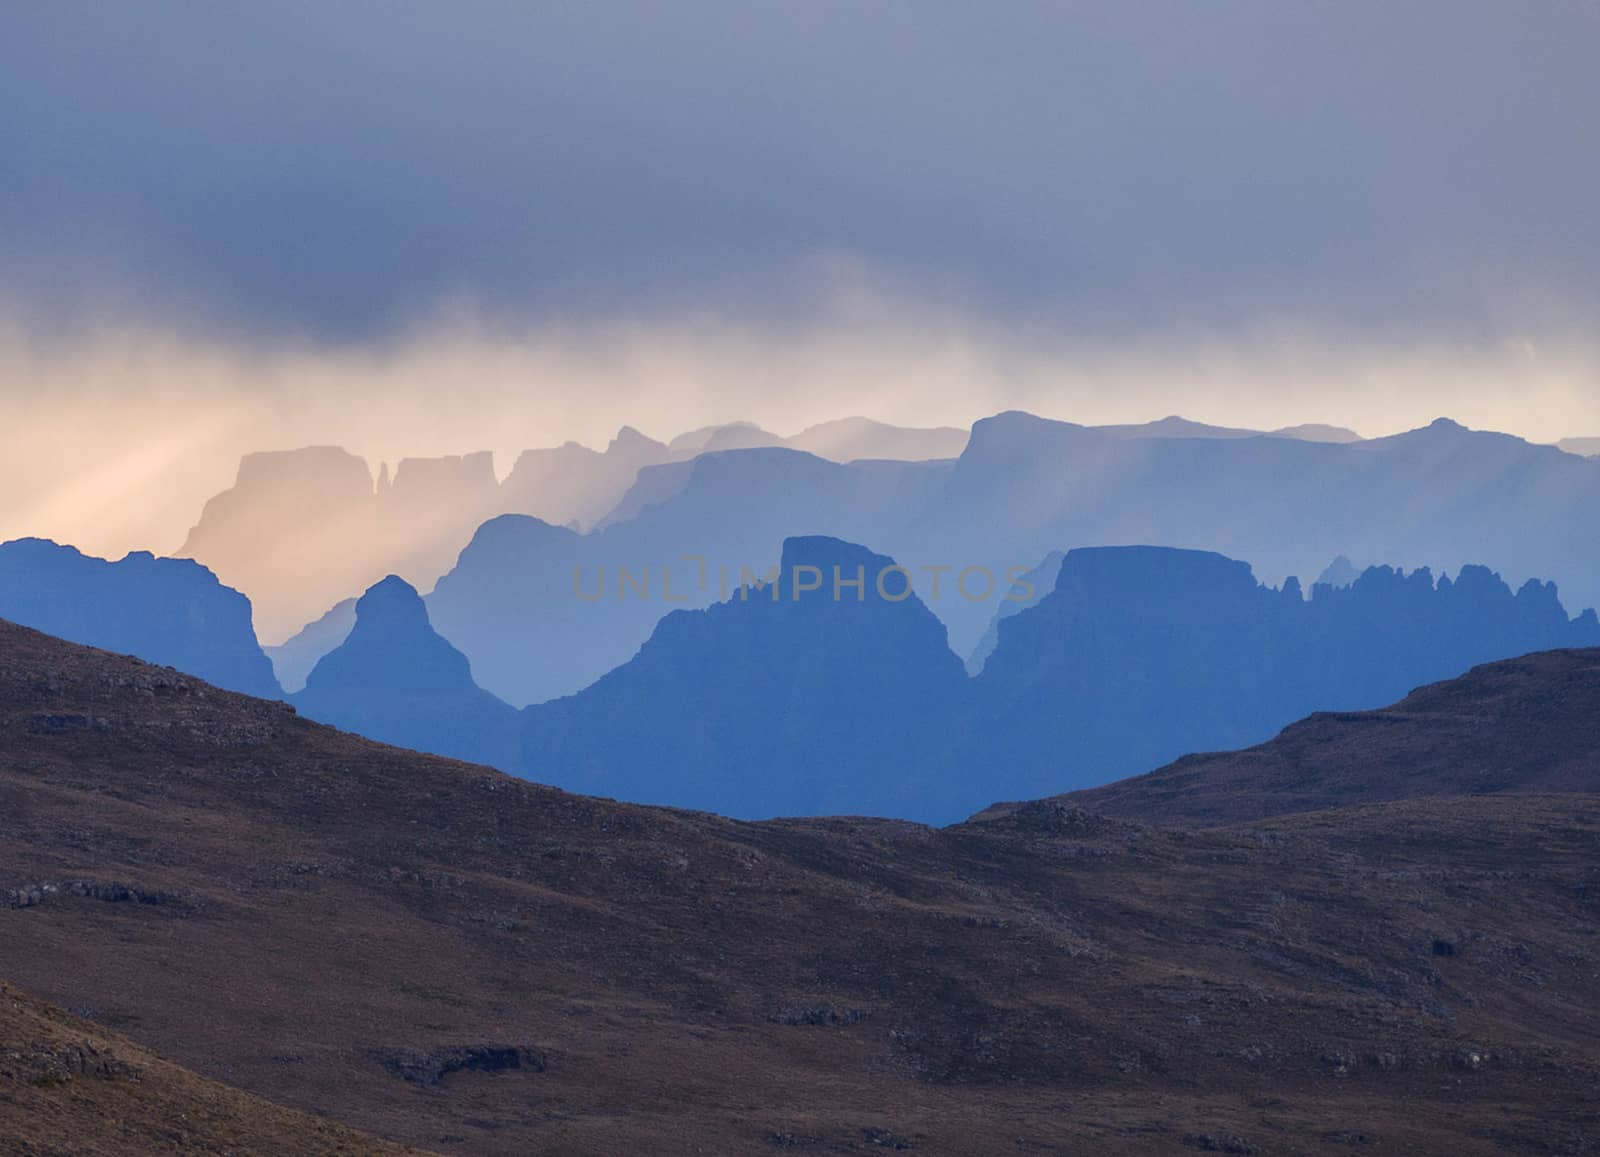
[{"x": 113, "y": 440}]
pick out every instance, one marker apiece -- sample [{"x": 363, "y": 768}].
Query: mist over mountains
[
  {"x": 627, "y": 657},
  {"x": 304, "y": 529},
  {"x": 827, "y": 685},
  {"x": 1022, "y": 488}
]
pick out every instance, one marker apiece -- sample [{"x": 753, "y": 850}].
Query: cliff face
[
  {"x": 573, "y": 483},
  {"x": 1141, "y": 654},
  {"x": 301, "y": 530},
  {"x": 163, "y": 610}
]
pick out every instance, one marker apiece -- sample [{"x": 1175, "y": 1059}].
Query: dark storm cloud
[{"x": 340, "y": 169}]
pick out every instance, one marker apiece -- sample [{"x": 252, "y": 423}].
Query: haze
[{"x": 419, "y": 231}]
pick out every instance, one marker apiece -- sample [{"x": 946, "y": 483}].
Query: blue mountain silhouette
[
  {"x": 162, "y": 610},
  {"x": 397, "y": 680}
]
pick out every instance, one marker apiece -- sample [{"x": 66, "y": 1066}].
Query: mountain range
[
  {"x": 444, "y": 956},
  {"x": 800, "y": 697},
  {"x": 793, "y": 695},
  {"x": 1442, "y": 497},
  {"x": 301, "y": 531}
]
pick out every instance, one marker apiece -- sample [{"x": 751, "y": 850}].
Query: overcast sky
[{"x": 1065, "y": 188}]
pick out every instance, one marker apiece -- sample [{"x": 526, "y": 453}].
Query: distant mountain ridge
[
  {"x": 301, "y": 530},
  {"x": 163, "y": 610},
  {"x": 1584, "y": 447},
  {"x": 395, "y": 679},
  {"x": 1141, "y": 654},
  {"x": 799, "y": 698}
]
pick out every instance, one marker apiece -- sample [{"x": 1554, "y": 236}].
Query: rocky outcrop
[
  {"x": 1141, "y": 654},
  {"x": 395, "y": 679}
]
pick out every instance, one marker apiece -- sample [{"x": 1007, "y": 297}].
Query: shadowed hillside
[
  {"x": 440, "y": 954},
  {"x": 72, "y": 1088},
  {"x": 1526, "y": 724}
]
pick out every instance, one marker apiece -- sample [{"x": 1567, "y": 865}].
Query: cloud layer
[
  {"x": 339, "y": 171},
  {"x": 418, "y": 229}
]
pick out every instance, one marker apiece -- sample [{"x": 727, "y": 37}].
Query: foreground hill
[
  {"x": 439, "y": 954},
  {"x": 1524, "y": 725},
  {"x": 71, "y": 1087}
]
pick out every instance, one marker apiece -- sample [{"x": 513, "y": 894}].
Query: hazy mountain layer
[
  {"x": 301, "y": 530},
  {"x": 1442, "y": 497},
  {"x": 294, "y": 659}
]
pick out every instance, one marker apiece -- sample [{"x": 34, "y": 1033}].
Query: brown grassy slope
[
  {"x": 1527, "y": 724},
  {"x": 69, "y": 1087},
  {"x": 337, "y": 926}
]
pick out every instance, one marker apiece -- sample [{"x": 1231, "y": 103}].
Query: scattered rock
[
  {"x": 826, "y": 1015},
  {"x": 66, "y": 724},
  {"x": 30, "y": 895},
  {"x": 1217, "y": 1143},
  {"x": 884, "y": 1139},
  {"x": 429, "y": 1068}
]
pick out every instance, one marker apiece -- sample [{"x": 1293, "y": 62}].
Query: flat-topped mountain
[
  {"x": 829, "y": 691},
  {"x": 164, "y": 610},
  {"x": 443, "y": 955},
  {"x": 1530, "y": 724},
  {"x": 301, "y": 530},
  {"x": 543, "y": 611}
]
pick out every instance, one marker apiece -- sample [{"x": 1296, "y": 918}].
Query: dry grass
[{"x": 329, "y": 913}]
